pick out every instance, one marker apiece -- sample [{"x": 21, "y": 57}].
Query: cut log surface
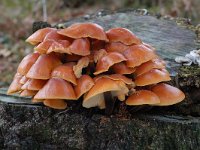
[{"x": 28, "y": 126}]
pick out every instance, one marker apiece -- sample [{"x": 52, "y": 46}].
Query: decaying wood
[{"x": 25, "y": 125}]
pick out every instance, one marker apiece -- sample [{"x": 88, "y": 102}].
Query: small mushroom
[
  {"x": 28, "y": 93},
  {"x": 147, "y": 66},
  {"x": 43, "y": 67},
  {"x": 84, "y": 84},
  {"x": 107, "y": 61},
  {"x": 34, "y": 84},
  {"x": 39, "y": 36},
  {"x": 142, "y": 97},
  {"x": 60, "y": 46},
  {"x": 138, "y": 54},
  {"x": 80, "y": 47},
  {"x": 152, "y": 77},
  {"x": 97, "y": 55},
  {"x": 56, "y": 88},
  {"x": 65, "y": 71},
  {"x": 122, "y": 35},
  {"x": 167, "y": 94},
  {"x": 121, "y": 68},
  {"x": 53, "y": 35},
  {"x": 82, "y": 63},
  {"x": 116, "y": 47},
  {"x": 15, "y": 86},
  {"x": 27, "y": 63},
  {"x": 84, "y": 30},
  {"x": 55, "y": 103},
  {"x": 43, "y": 47}
]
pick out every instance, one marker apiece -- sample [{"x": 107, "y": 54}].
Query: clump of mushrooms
[{"x": 83, "y": 62}]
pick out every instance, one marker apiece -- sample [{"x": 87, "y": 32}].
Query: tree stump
[{"x": 28, "y": 126}]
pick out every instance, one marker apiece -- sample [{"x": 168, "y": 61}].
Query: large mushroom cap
[
  {"x": 65, "y": 71},
  {"x": 138, "y": 54},
  {"x": 15, "y": 86},
  {"x": 122, "y": 35},
  {"x": 147, "y": 66},
  {"x": 60, "y": 46},
  {"x": 55, "y": 103},
  {"x": 28, "y": 93},
  {"x": 81, "y": 30},
  {"x": 143, "y": 97},
  {"x": 39, "y": 36},
  {"x": 116, "y": 47},
  {"x": 121, "y": 68},
  {"x": 27, "y": 63},
  {"x": 152, "y": 77},
  {"x": 80, "y": 47},
  {"x": 107, "y": 61},
  {"x": 43, "y": 67},
  {"x": 34, "y": 84},
  {"x": 168, "y": 94},
  {"x": 84, "y": 84},
  {"x": 56, "y": 89}
]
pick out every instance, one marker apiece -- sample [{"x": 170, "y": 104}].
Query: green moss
[{"x": 189, "y": 71}]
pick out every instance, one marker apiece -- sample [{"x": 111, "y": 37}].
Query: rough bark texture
[{"x": 28, "y": 126}]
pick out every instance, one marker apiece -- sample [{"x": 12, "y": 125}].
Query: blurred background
[{"x": 17, "y": 16}]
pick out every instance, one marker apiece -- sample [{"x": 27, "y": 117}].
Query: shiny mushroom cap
[
  {"x": 168, "y": 94},
  {"x": 122, "y": 35},
  {"x": 80, "y": 47},
  {"x": 116, "y": 47},
  {"x": 107, "y": 61},
  {"x": 53, "y": 35},
  {"x": 121, "y": 68},
  {"x": 27, "y": 63},
  {"x": 15, "y": 86},
  {"x": 138, "y": 54},
  {"x": 83, "y": 30},
  {"x": 55, "y": 103},
  {"x": 65, "y": 71},
  {"x": 38, "y": 36},
  {"x": 152, "y": 77},
  {"x": 147, "y": 66},
  {"x": 43, "y": 67},
  {"x": 56, "y": 88},
  {"x": 43, "y": 47},
  {"x": 60, "y": 46},
  {"x": 143, "y": 97},
  {"x": 34, "y": 84},
  {"x": 84, "y": 84}
]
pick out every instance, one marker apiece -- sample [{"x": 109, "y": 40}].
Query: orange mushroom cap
[
  {"x": 82, "y": 63},
  {"x": 23, "y": 80},
  {"x": 121, "y": 68},
  {"x": 168, "y": 94},
  {"x": 152, "y": 77},
  {"x": 56, "y": 88},
  {"x": 122, "y": 35},
  {"x": 15, "y": 86},
  {"x": 116, "y": 47},
  {"x": 43, "y": 66},
  {"x": 43, "y": 47},
  {"x": 34, "y": 84},
  {"x": 53, "y": 35},
  {"x": 60, "y": 46},
  {"x": 27, "y": 63},
  {"x": 107, "y": 61},
  {"x": 99, "y": 54},
  {"x": 138, "y": 54},
  {"x": 143, "y": 97},
  {"x": 84, "y": 84},
  {"x": 39, "y": 36},
  {"x": 147, "y": 66},
  {"x": 28, "y": 93},
  {"x": 80, "y": 47},
  {"x": 81, "y": 30},
  {"x": 65, "y": 71},
  {"x": 55, "y": 103}
]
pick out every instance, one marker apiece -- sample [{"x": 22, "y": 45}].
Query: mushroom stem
[{"x": 109, "y": 102}]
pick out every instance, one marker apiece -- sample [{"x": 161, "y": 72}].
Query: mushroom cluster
[{"x": 83, "y": 62}]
